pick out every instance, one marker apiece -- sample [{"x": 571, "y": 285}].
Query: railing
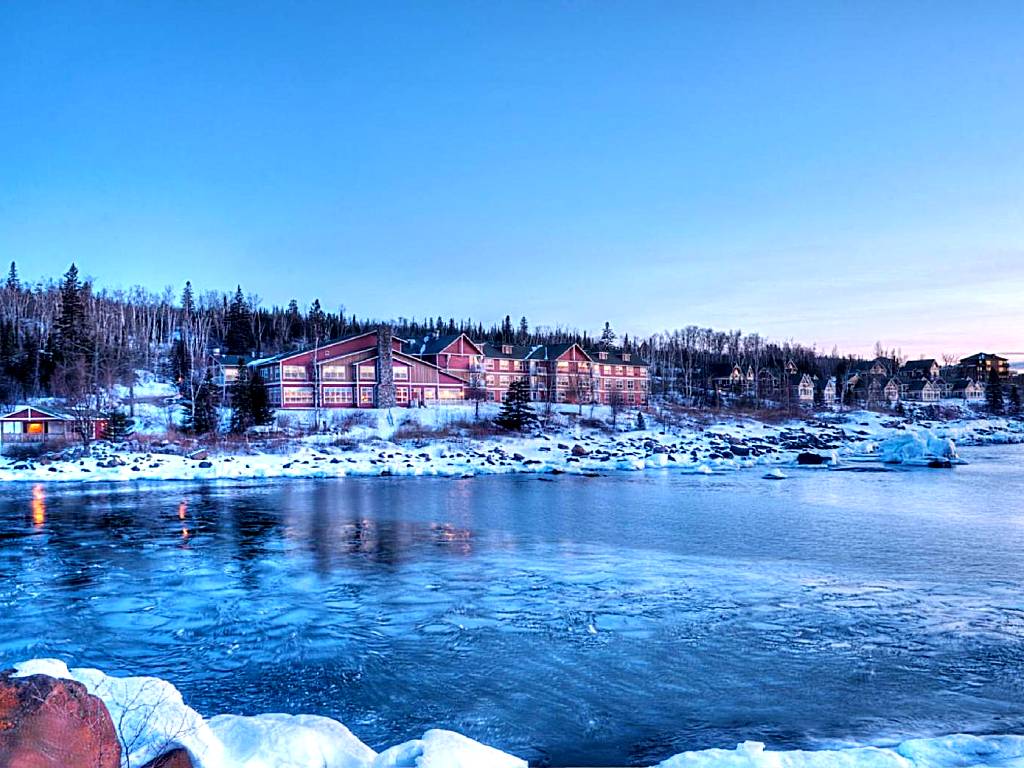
[{"x": 30, "y": 437}]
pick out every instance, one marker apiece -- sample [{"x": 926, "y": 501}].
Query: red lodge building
[{"x": 376, "y": 370}]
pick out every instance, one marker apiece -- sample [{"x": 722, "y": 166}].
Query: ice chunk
[
  {"x": 445, "y": 749},
  {"x": 289, "y": 741}
]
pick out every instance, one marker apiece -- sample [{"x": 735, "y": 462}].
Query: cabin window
[
  {"x": 366, "y": 395},
  {"x": 402, "y": 395},
  {"x": 429, "y": 394},
  {"x": 451, "y": 394},
  {"x": 295, "y": 372},
  {"x": 298, "y": 396},
  {"x": 563, "y": 365},
  {"x": 401, "y": 373},
  {"x": 506, "y": 349},
  {"x": 367, "y": 372},
  {"x": 503, "y": 365},
  {"x": 334, "y": 372}
]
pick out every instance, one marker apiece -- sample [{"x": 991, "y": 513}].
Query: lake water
[{"x": 585, "y": 621}]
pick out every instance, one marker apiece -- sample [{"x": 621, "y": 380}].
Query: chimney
[{"x": 385, "y": 369}]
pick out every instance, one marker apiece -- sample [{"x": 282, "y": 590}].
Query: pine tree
[
  {"x": 259, "y": 401},
  {"x": 607, "y": 336},
  {"x": 70, "y": 324},
  {"x": 641, "y": 423},
  {"x": 13, "y": 283},
  {"x": 188, "y": 302},
  {"x": 1015, "y": 400},
  {"x": 238, "y": 339},
  {"x": 203, "y": 418},
  {"x": 119, "y": 427},
  {"x": 318, "y": 323},
  {"x": 516, "y": 413},
  {"x": 994, "y": 393},
  {"x": 524, "y": 331},
  {"x": 241, "y": 408}
]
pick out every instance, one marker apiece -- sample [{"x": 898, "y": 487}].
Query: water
[{"x": 585, "y": 621}]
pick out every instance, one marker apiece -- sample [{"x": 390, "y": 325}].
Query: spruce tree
[
  {"x": 241, "y": 408},
  {"x": 238, "y": 339},
  {"x": 607, "y": 336},
  {"x": 72, "y": 337},
  {"x": 516, "y": 413},
  {"x": 641, "y": 423},
  {"x": 259, "y": 401},
  {"x": 1015, "y": 400},
  {"x": 994, "y": 393},
  {"x": 202, "y": 418},
  {"x": 13, "y": 283},
  {"x": 119, "y": 426}
]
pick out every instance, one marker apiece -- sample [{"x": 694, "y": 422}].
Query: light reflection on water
[{"x": 585, "y": 621}]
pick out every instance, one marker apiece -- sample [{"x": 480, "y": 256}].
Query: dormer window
[
  {"x": 602, "y": 355},
  {"x": 625, "y": 356},
  {"x": 506, "y": 349}
]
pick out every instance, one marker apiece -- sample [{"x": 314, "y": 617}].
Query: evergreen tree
[
  {"x": 250, "y": 402},
  {"x": 1015, "y": 400},
  {"x": 119, "y": 426},
  {"x": 260, "y": 410},
  {"x": 13, "y": 283},
  {"x": 318, "y": 323},
  {"x": 516, "y": 413},
  {"x": 607, "y": 336},
  {"x": 203, "y": 418},
  {"x": 72, "y": 336},
  {"x": 238, "y": 339},
  {"x": 188, "y": 302},
  {"x": 524, "y": 331},
  {"x": 994, "y": 393},
  {"x": 641, "y": 423}
]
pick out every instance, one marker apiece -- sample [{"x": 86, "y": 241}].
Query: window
[
  {"x": 367, "y": 372},
  {"x": 337, "y": 395},
  {"x": 429, "y": 393},
  {"x": 275, "y": 396},
  {"x": 401, "y": 373},
  {"x": 298, "y": 396},
  {"x": 563, "y": 365},
  {"x": 490, "y": 379},
  {"x": 295, "y": 372},
  {"x": 334, "y": 372},
  {"x": 402, "y": 395},
  {"x": 451, "y": 394},
  {"x": 503, "y": 365},
  {"x": 504, "y": 381},
  {"x": 629, "y": 384},
  {"x": 366, "y": 395}
]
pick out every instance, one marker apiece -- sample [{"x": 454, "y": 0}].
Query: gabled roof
[
  {"x": 306, "y": 350},
  {"x": 433, "y": 345},
  {"x": 47, "y": 412},
  {"x": 920, "y": 365},
  {"x": 553, "y": 351},
  {"x": 616, "y": 358},
  {"x": 919, "y": 385},
  {"x": 518, "y": 351},
  {"x": 979, "y": 357}
]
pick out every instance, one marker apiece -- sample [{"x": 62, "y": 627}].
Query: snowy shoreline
[
  {"x": 152, "y": 719},
  {"x": 722, "y": 446}
]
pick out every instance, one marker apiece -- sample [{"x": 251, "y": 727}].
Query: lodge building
[{"x": 376, "y": 370}]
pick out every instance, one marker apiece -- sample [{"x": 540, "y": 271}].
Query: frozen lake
[{"x": 585, "y": 621}]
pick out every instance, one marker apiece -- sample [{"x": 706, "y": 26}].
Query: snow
[
  {"x": 151, "y": 719},
  {"x": 443, "y": 441},
  {"x": 445, "y": 749},
  {"x": 957, "y": 751}
]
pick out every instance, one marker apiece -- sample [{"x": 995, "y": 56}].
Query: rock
[
  {"x": 205, "y": 464},
  {"x": 563, "y": 446},
  {"x": 176, "y": 758},
  {"x": 811, "y": 459},
  {"x": 518, "y": 456},
  {"x": 51, "y": 723},
  {"x": 579, "y": 450},
  {"x": 940, "y": 464},
  {"x": 199, "y": 455}
]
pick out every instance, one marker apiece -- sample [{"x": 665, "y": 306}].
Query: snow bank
[
  {"x": 445, "y": 749},
  {"x": 151, "y": 719},
  {"x": 958, "y": 751}
]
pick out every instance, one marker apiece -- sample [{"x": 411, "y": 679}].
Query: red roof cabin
[{"x": 33, "y": 424}]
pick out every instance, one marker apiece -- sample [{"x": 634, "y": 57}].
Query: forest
[{"x": 65, "y": 338}]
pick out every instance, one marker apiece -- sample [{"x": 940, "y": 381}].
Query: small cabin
[{"x": 33, "y": 424}]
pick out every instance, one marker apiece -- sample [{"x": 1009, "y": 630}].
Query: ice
[
  {"x": 289, "y": 741},
  {"x": 445, "y": 749}
]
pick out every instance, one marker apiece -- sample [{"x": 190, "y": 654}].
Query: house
[
  {"x": 800, "y": 389},
  {"x": 829, "y": 394},
  {"x": 33, "y": 424},
  {"x": 869, "y": 391},
  {"x": 725, "y": 377},
  {"x": 921, "y": 390},
  {"x": 622, "y": 373},
  {"x": 967, "y": 389},
  {"x": 892, "y": 391},
  {"x": 365, "y": 370},
  {"x": 454, "y": 353},
  {"x": 503, "y": 364},
  {"x": 225, "y": 368},
  {"x": 877, "y": 367},
  {"x": 980, "y": 366},
  {"x": 920, "y": 369}
]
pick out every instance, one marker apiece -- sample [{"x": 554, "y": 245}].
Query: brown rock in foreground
[
  {"x": 51, "y": 723},
  {"x": 176, "y": 758}
]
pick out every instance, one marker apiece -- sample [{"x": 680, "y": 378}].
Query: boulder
[
  {"x": 811, "y": 459},
  {"x": 199, "y": 455},
  {"x": 176, "y": 758},
  {"x": 51, "y": 723},
  {"x": 579, "y": 450}
]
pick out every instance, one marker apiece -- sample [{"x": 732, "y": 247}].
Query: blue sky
[{"x": 833, "y": 173}]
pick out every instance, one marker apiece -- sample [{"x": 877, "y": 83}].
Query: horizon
[{"x": 832, "y": 177}]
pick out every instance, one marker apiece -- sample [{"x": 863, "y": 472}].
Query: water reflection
[{"x": 38, "y": 505}]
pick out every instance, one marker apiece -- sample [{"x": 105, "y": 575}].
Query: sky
[{"x": 825, "y": 172}]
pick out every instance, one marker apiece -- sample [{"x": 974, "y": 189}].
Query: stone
[
  {"x": 51, "y": 723},
  {"x": 176, "y": 758},
  {"x": 811, "y": 459},
  {"x": 199, "y": 455},
  {"x": 579, "y": 450},
  {"x": 205, "y": 464}
]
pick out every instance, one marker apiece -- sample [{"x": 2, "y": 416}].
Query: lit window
[{"x": 401, "y": 373}]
